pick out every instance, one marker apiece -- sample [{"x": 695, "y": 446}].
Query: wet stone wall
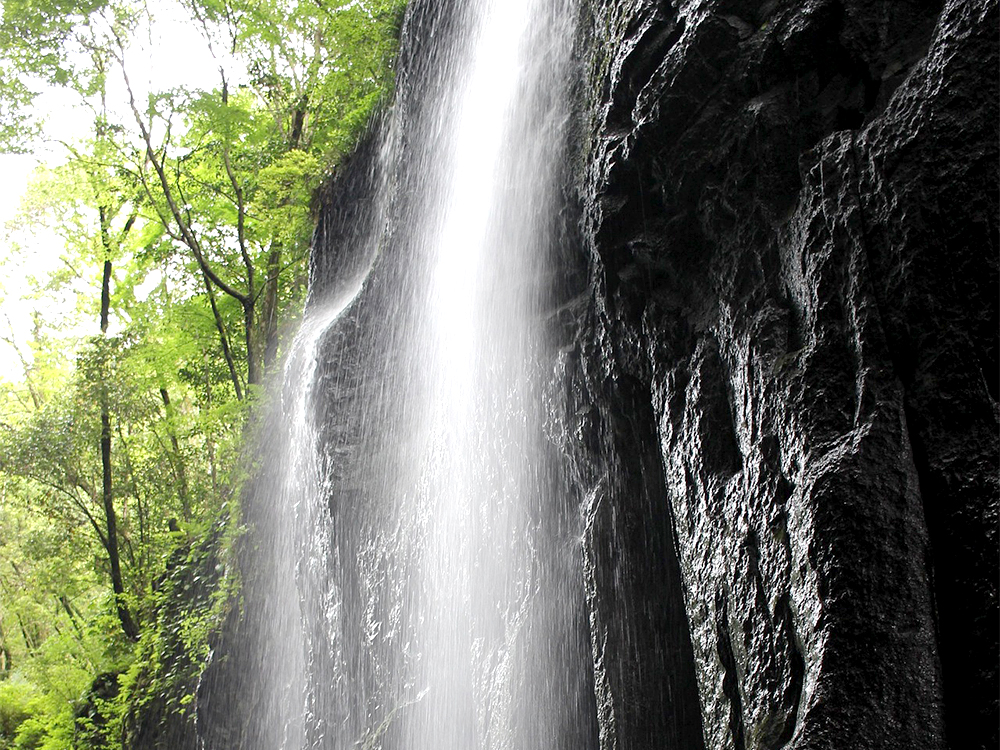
[{"x": 782, "y": 398}]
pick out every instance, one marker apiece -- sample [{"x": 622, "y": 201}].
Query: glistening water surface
[{"x": 420, "y": 573}]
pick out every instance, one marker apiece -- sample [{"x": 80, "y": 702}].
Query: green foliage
[
  {"x": 17, "y": 130},
  {"x": 78, "y": 690},
  {"x": 16, "y": 706},
  {"x": 197, "y": 202},
  {"x": 191, "y": 601},
  {"x": 64, "y": 43}
]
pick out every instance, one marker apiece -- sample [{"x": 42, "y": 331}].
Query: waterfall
[{"x": 416, "y": 568}]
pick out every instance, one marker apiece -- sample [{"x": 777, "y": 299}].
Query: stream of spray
[
  {"x": 482, "y": 484},
  {"x": 424, "y": 589}
]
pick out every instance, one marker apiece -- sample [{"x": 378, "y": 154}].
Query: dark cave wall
[{"x": 783, "y": 395}]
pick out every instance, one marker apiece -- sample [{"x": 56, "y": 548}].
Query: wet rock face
[{"x": 783, "y": 396}]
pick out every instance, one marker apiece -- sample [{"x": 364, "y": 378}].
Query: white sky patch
[{"x": 15, "y": 169}]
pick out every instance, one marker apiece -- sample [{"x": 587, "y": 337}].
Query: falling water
[{"x": 421, "y": 585}]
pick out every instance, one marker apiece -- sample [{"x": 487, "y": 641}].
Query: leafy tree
[
  {"x": 230, "y": 173},
  {"x": 183, "y": 220},
  {"x": 71, "y": 472}
]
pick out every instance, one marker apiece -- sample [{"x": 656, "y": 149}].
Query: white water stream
[{"x": 419, "y": 597}]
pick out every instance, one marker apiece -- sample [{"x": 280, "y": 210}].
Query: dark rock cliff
[{"x": 783, "y": 393}]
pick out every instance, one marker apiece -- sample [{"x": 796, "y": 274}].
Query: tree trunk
[
  {"x": 107, "y": 492},
  {"x": 179, "y": 473},
  {"x": 253, "y": 351},
  {"x": 209, "y": 440},
  {"x": 6, "y": 661},
  {"x": 269, "y": 310},
  {"x": 298, "y": 124},
  {"x": 223, "y": 337},
  {"x": 29, "y": 642},
  {"x": 68, "y": 608}
]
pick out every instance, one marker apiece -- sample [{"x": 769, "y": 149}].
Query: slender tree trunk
[
  {"x": 68, "y": 608},
  {"x": 209, "y": 441},
  {"x": 6, "y": 661},
  {"x": 28, "y": 641},
  {"x": 125, "y": 539},
  {"x": 179, "y": 473},
  {"x": 253, "y": 353},
  {"x": 223, "y": 337},
  {"x": 298, "y": 124},
  {"x": 269, "y": 309},
  {"x": 107, "y": 491},
  {"x": 140, "y": 512}
]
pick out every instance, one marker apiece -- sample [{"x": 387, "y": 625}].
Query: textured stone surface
[{"x": 791, "y": 210}]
